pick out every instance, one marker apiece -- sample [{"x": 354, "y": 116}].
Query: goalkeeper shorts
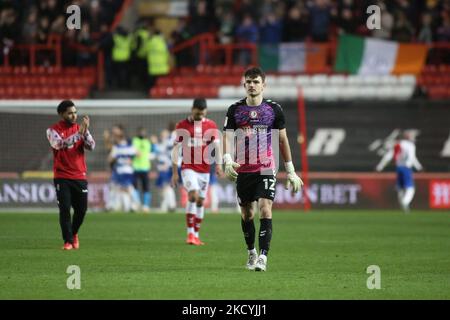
[{"x": 252, "y": 186}]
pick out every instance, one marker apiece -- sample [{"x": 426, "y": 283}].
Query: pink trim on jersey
[{"x": 257, "y": 167}]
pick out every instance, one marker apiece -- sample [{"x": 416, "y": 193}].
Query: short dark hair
[
  {"x": 255, "y": 72},
  {"x": 171, "y": 126},
  {"x": 63, "y": 105},
  {"x": 199, "y": 103}
]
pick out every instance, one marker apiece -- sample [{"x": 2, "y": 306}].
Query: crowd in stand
[
  {"x": 232, "y": 21},
  {"x": 274, "y": 21},
  {"x": 34, "y": 21}
]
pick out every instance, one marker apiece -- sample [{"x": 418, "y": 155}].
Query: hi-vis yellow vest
[
  {"x": 157, "y": 56},
  {"x": 122, "y": 48},
  {"x": 143, "y": 35}
]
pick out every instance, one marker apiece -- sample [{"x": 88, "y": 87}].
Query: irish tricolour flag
[
  {"x": 293, "y": 57},
  {"x": 359, "y": 55}
]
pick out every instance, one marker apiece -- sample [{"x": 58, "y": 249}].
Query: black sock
[
  {"x": 248, "y": 228},
  {"x": 265, "y": 235}
]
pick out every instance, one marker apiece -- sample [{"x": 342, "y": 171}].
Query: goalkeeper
[{"x": 254, "y": 124}]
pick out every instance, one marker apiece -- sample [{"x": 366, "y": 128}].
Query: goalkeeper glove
[
  {"x": 292, "y": 178},
  {"x": 230, "y": 165}
]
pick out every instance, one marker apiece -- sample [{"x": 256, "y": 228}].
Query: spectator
[
  {"x": 346, "y": 21},
  {"x": 426, "y": 32},
  {"x": 139, "y": 61},
  {"x": 247, "y": 32},
  {"x": 320, "y": 13},
  {"x": 158, "y": 57},
  {"x": 408, "y": 8},
  {"x": 296, "y": 26},
  {"x": 387, "y": 23},
  {"x": 270, "y": 29},
  {"x": 245, "y": 8},
  {"x": 121, "y": 55},
  {"x": 201, "y": 21},
  {"x": 105, "y": 44},
  {"x": 443, "y": 31},
  {"x": 403, "y": 30},
  {"x": 59, "y": 25},
  {"x": 30, "y": 28},
  {"x": 95, "y": 16},
  {"x": 43, "y": 29},
  {"x": 227, "y": 26},
  {"x": 8, "y": 24},
  {"x": 84, "y": 57},
  {"x": 69, "y": 55},
  {"x": 181, "y": 33}
]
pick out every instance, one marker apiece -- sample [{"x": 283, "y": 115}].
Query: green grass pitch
[{"x": 318, "y": 255}]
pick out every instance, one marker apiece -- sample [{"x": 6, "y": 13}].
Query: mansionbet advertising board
[{"x": 326, "y": 191}]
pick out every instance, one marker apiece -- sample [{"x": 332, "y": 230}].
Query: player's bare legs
[
  {"x": 248, "y": 228},
  {"x": 191, "y": 210},
  {"x": 200, "y": 213}
]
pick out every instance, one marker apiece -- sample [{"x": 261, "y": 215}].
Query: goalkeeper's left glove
[{"x": 292, "y": 178}]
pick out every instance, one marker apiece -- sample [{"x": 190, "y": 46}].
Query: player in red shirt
[
  {"x": 198, "y": 139},
  {"x": 68, "y": 141}
]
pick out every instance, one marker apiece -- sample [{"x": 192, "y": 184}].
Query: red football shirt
[
  {"x": 197, "y": 138},
  {"x": 68, "y": 150}
]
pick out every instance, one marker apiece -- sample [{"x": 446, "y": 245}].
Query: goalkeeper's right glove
[
  {"x": 292, "y": 178},
  {"x": 230, "y": 165}
]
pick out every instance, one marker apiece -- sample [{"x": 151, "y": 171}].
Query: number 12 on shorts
[{"x": 271, "y": 186}]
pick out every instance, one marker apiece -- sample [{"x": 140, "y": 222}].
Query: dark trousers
[
  {"x": 141, "y": 179},
  {"x": 121, "y": 75},
  {"x": 71, "y": 193}
]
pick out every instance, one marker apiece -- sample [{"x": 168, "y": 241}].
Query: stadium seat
[
  {"x": 302, "y": 80},
  {"x": 271, "y": 80},
  {"x": 319, "y": 80},
  {"x": 236, "y": 69},
  {"x": 337, "y": 80},
  {"x": 231, "y": 80},
  {"x": 385, "y": 92},
  {"x": 178, "y": 80},
  {"x": 370, "y": 80},
  {"x": 353, "y": 80},
  {"x": 229, "y": 92},
  {"x": 403, "y": 92},
  {"x": 282, "y": 92},
  {"x": 20, "y": 70},
  {"x": 285, "y": 80},
  {"x": 313, "y": 92},
  {"x": 367, "y": 92},
  {"x": 333, "y": 93},
  {"x": 407, "y": 79},
  {"x": 348, "y": 92},
  {"x": 388, "y": 80}
]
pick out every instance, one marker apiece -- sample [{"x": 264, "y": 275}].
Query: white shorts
[{"x": 197, "y": 181}]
